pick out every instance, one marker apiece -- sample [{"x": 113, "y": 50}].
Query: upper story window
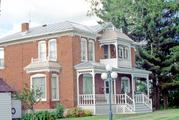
[
  {"x": 106, "y": 51},
  {"x": 1, "y": 57},
  {"x": 42, "y": 50},
  {"x": 123, "y": 52},
  {"x": 91, "y": 50},
  {"x": 55, "y": 87},
  {"x": 38, "y": 84},
  {"x": 83, "y": 49},
  {"x": 52, "y": 49}
]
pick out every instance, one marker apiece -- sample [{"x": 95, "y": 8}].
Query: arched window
[
  {"x": 91, "y": 50},
  {"x": 84, "y": 49},
  {"x": 38, "y": 83}
]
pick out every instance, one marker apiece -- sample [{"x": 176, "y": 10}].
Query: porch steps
[{"x": 142, "y": 108}]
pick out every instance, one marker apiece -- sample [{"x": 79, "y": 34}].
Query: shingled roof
[{"x": 4, "y": 87}]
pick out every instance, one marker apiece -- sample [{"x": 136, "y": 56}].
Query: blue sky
[{"x": 38, "y": 12}]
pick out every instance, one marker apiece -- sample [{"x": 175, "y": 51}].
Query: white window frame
[
  {"x": 84, "y": 40},
  {"x": 93, "y": 45},
  {"x": 2, "y": 67},
  {"x": 122, "y": 51},
  {"x": 57, "y": 87},
  {"x": 126, "y": 54},
  {"x": 40, "y": 42},
  {"x": 49, "y": 42},
  {"x": 126, "y": 79},
  {"x": 39, "y": 75}
]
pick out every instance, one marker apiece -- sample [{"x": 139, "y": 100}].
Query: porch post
[
  {"x": 77, "y": 79},
  {"x": 94, "y": 97},
  {"x": 133, "y": 86},
  {"x": 147, "y": 80}
]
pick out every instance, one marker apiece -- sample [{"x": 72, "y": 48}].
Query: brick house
[{"x": 65, "y": 61}]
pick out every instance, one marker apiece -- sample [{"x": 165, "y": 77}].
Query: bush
[
  {"x": 41, "y": 115},
  {"x": 78, "y": 112},
  {"x": 59, "y": 111}
]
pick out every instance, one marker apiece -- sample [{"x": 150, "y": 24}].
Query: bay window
[
  {"x": 38, "y": 84},
  {"x": 55, "y": 87}
]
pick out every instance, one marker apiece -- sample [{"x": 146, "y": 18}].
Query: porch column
[
  {"x": 94, "y": 97},
  {"x": 116, "y": 45},
  {"x": 133, "y": 85},
  {"x": 147, "y": 80},
  {"x": 77, "y": 79}
]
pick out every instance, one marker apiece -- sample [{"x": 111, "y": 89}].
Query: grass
[{"x": 170, "y": 114}]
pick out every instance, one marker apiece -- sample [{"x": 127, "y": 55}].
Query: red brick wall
[
  {"x": 18, "y": 56},
  {"x": 133, "y": 57}
]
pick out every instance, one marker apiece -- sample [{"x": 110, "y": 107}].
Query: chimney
[{"x": 24, "y": 27}]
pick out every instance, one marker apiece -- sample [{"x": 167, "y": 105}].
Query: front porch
[{"x": 93, "y": 92}]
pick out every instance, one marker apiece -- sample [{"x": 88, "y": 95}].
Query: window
[
  {"x": 1, "y": 57},
  {"x": 38, "y": 83},
  {"x": 87, "y": 84},
  {"x": 126, "y": 53},
  {"x": 125, "y": 86},
  {"x": 83, "y": 49},
  {"x": 120, "y": 51},
  {"x": 123, "y": 52},
  {"x": 91, "y": 50},
  {"x": 42, "y": 50},
  {"x": 106, "y": 51},
  {"x": 52, "y": 49},
  {"x": 55, "y": 87}
]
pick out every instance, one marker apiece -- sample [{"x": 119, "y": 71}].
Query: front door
[{"x": 106, "y": 91}]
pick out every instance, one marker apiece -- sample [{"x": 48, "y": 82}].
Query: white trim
[
  {"x": 43, "y": 70},
  {"x": 39, "y": 43},
  {"x": 52, "y": 40},
  {"x": 40, "y": 75},
  {"x": 57, "y": 87}
]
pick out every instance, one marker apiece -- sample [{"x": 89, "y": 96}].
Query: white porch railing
[
  {"x": 118, "y": 99},
  {"x": 142, "y": 98}
]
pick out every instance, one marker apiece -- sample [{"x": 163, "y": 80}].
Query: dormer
[{"x": 117, "y": 48}]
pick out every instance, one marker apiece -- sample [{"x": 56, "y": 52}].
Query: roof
[
  {"x": 4, "y": 87},
  {"x": 62, "y": 27},
  {"x": 89, "y": 65},
  {"x": 48, "y": 29}
]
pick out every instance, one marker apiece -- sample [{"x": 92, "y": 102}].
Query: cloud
[{"x": 38, "y": 12}]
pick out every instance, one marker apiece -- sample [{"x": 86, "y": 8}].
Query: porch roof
[
  {"x": 89, "y": 65},
  {"x": 101, "y": 67}
]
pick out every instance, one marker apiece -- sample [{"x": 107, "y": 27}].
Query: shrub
[
  {"x": 59, "y": 111},
  {"x": 41, "y": 115},
  {"x": 78, "y": 112}
]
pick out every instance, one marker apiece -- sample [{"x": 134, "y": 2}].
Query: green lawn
[{"x": 172, "y": 114}]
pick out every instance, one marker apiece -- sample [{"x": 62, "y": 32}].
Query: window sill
[
  {"x": 2, "y": 67},
  {"x": 55, "y": 100}
]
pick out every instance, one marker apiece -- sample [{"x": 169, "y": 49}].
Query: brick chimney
[{"x": 24, "y": 27}]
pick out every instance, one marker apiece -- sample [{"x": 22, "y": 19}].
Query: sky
[{"x": 39, "y": 12}]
